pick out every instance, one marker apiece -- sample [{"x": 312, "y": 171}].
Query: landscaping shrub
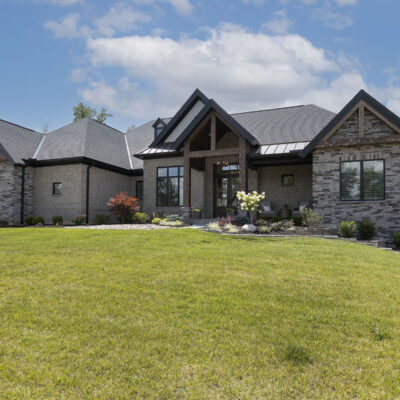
[
  {"x": 123, "y": 206},
  {"x": 58, "y": 220},
  {"x": 101, "y": 219},
  {"x": 276, "y": 218},
  {"x": 79, "y": 220},
  {"x": 297, "y": 220},
  {"x": 311, "y": 217},
  {"x": 366, "y": 229},
  {"x": 140, "y": 218},
  {"x": 214, "y": 226},
  {"x": 29, "y": 220},
  {"x": 225, "y": 221},
  {"x": 347, "y": 229},
  {"x": 3, "y": 223},
  {"x": 174, "y": 217},
  {"x": 38, "y": 220},
  {"x": 396, "y": 239},
  {"x": 288, "y": 224},
  {"x": 276, "y": 226},
  {"x": 231, "y": 228},
  {"x": 242, "y": 220},
  {"x": 166, "y": 222},
  {"x": 156, "y": 221},
  {"x": 264, "y": 229}
]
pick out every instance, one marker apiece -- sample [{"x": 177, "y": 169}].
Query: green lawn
[{"x": 183, "y": 314}]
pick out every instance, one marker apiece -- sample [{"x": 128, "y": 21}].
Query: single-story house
[{"x": 345, "y": 165}]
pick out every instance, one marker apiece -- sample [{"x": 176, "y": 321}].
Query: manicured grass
[{"x": 183, "y": 314}]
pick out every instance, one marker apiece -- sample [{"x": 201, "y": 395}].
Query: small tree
[
  {"x": 82, "y": 111},
  {"x": 311, "y": 218},
  {"x": 250, "y": 201},
  {"x": 130, "y": 128},
  {"x": 123, "y": 206},
  {"x": 103, "y": 115}
]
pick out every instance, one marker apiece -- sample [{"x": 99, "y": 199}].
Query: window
[
  {"x": 158, "y": 129},
  {"x": 57, "y": 186},
  {"x": 139, "y": 190},
  {"x": 287, "y": 180},
  {"x": 170, "y": 186},
  {"x": 362, "y": 180}
]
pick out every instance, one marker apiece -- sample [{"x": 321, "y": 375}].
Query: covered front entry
[
  {"x": 226, "y": 186},
  {"x": 219, "y": 153}
]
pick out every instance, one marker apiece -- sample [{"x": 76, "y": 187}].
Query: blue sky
[{"x": 141, "y": 58}]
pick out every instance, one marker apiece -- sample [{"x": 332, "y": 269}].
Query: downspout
[
  {"x": 22, "y": 194},
  {"x": 87, "y": 192}
]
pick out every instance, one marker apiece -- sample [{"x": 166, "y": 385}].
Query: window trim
[
  {"x": 136, "y": 189},
  {"x": 284, "y": 176},
  {"x": 362, "y": 180},
  {"x": 175, "y": 176},
  {"x": 54, "y": 188}
]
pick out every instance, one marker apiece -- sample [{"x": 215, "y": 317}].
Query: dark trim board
[
  {"x": 159, "y": 155},
  {"x": 83, "y": 160},
  {"x": 6, "y": 154}
]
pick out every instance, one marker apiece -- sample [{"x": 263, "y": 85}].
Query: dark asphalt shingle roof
[
  {"x": 86, "y": 138},
  {"x": 19, "y": 142}
]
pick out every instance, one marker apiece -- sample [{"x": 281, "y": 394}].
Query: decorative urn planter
[{"x": 196, "y": 214}]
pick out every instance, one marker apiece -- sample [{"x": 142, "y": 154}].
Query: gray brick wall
[{"x": 326, "y": 187}]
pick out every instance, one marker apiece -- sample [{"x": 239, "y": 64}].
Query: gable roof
[
  {"x": 195, "y": 97},
  {"x": 86, "y": 138},
  {"x": 212, "y": 105},
  {"x": 370, "y": 101},
  {"x": 18, "y": 142}
]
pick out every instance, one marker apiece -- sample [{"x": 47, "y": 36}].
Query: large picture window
[
  {"x": 362, "y": 180},
  {"x": 170, "y": 186}
]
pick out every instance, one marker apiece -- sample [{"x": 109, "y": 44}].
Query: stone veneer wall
[
  {"x": 10, "y": 192},
  {"x": 326, "y": 187}
]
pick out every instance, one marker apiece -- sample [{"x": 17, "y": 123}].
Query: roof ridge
[
  {"x": 20, "y": 126},
  {"x": 102, "y": 123},
  {"x": 270, "y": 109}
]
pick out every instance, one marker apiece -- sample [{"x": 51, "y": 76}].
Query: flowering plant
[{"x": 250, "y": 201}]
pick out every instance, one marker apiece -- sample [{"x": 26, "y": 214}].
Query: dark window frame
[
  {"x": 285, "y": 176},
  {"x": 362, "y": 180},
  {"x": 167, "y": 177},
  {"x": 140, "y": 198},
  {"x": 54, "y": 188}
]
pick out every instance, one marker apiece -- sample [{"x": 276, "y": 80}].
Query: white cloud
[
  {"x": 62, "y": 3},
  {"x": 181, "y": 6},
  {"x": 79, "y": 75},
  {"x": 67, "y": 28},
  {"x": 346, "y": 2},
  {"x": 120, "y": 18},
  {"x": 333, "y": 19},
  {"x": 280, "y": 24}
]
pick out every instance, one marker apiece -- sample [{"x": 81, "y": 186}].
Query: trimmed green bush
[
  {"x": 366, "y": 229},
  {"x": 347, "y": 229},
  {"x": 156, "y": 221},
  {"x": 37, "y": 220},
  {"x": 174, "y": 217},
  {"x": 311, "y": 218},
  {"x": 396, "y": 239},
  {"x": 297, "y": 220},
  {"x": 58, "y": 219},
  {"x": 3, "y": 223},
  {"x": 276, "y": 218},
  {"x": 140, "y": 218},
  {"x": 101, "y": 219}
]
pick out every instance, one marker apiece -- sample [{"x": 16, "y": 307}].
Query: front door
[{"x": 226, "y": 178}]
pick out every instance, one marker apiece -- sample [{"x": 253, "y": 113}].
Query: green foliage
[
  {"x": 167, "y": 222},
  {"x": 58, "y": 220},
  {"x": 174, "y": 217},
  {"x": 130, "y": 128},
  {"x": 311, "y": 218},
  {"x": 37, "y": 220},
  {"x": 3, "y": 223},
  {"x": 29, "y": 221},
  {"x": 276, "y": 226},
  {"x": 366, "y": 229},
  {"x": 380, "y": 334},
  {"x": 242, "y": 220},
  {"x": 347, "y": 229},
  {"x": 276, "y": 218},
  {"x": 396, "y": 239},
  {"x": 156, "y": 221},
  {"x": 83, "y": 111},
  {"x": 79, "y": 220},
  {"x": 101, "y": 219},
  {"x": 264, "y": 229},
  {"x": 140, "y": 218},
  {"x": 297, "y": 220},
  {"x": 297, "y": 354}
]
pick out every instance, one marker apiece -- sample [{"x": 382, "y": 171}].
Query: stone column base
[{"x": 186, "y": 213}]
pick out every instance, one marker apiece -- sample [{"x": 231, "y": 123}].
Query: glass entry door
[{"x": 226, "y": 178}]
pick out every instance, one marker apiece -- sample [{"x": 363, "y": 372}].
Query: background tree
[
  {"x": 84, "y": 111},
  {"x": 130, "y": 128}
]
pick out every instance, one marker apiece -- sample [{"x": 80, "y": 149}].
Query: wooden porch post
[
  {"x": 242, "y": 164},
  {"x": 186, "y": 175}
]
